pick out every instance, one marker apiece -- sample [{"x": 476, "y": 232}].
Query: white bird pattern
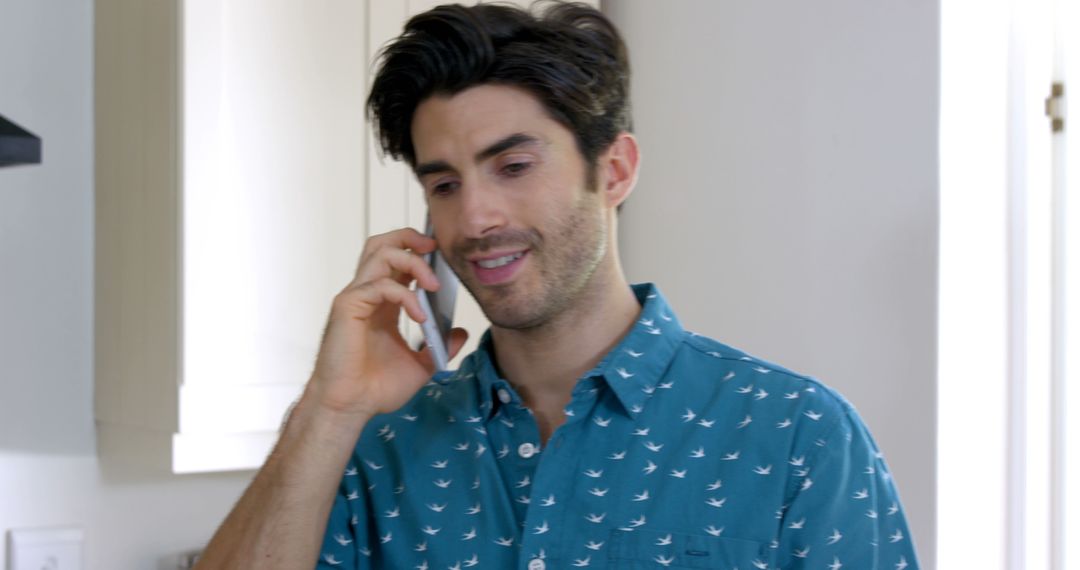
[
  {"x": 756, "y": 440},
  {"x": 834, "y": 537}
]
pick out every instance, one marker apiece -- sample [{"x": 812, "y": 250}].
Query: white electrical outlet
[{"x": 45, "y": 549}]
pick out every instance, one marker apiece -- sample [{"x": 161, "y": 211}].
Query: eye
[
  {"x": 444, "y": 188},
  {"x": 517, "y": 168}
]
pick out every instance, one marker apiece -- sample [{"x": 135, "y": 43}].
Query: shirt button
[
  {"x": 537, "y": 564},
  {"x": 504, "y": 396},
  {"x": 527, "y": 450}
]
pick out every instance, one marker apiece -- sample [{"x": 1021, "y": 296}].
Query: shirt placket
[
  {"x": 545, "y": 528},
  {"x": 513, "y": 432}
]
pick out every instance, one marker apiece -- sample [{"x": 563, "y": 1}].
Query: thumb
[
  {"x": 457, "y": 339},
  {"x": 458, "y": 336}
]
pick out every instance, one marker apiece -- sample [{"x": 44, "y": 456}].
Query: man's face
[{"x": 506, "y": 190}]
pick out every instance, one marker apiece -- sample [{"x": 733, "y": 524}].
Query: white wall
[
  {"x": 49, "y": 473},
  {"x": 787, "y": 203}
]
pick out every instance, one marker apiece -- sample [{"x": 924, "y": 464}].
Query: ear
[{"x": 619, "y": 165}]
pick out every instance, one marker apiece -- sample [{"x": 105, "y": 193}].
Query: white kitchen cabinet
[{"x": 230, "y": 210}]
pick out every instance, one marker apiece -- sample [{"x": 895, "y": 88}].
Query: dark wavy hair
[{"x": 567, "y": 55}]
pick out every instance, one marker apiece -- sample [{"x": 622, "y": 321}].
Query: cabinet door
[
  {"x": 230, "y": 202},
  {"x": 273, "y": 199}
]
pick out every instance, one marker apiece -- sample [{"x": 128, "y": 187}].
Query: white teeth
[{"x": 499, "y": 262}]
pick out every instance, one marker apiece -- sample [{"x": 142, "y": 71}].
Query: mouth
[
  {"x": 500, "y": 261},
  {"x": 498, "y": 269}
]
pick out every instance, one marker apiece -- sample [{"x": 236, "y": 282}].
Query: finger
[
  {"x": 364, "y": 300},
  {"x": 404, "y": 238},
  {"x": 399, "y": 265}
]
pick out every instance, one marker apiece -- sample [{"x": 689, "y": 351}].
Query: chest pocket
[{"x": 642, "y": 548}]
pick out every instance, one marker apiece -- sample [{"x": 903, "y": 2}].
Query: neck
[{"x": 544, "y": 363}]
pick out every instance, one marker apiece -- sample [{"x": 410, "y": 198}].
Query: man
[{"x": 589, "y": 429}]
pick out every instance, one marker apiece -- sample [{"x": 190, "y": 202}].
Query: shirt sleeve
[
  {"x": 344, "y": 544},
  {"x": 845, "y": 512}
]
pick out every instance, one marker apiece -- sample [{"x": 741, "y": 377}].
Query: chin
[
  {"x": 525, "y": 311},
  {"x": 506, "y": 314},
  {"x": 504, "y": 309},
  {"x": 517, "y": 322}
]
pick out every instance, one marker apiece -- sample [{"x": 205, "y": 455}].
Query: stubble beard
[{"x": 566, "y": 261}]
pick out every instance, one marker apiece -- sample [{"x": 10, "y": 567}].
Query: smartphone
[{"x": 438, "y": 306}]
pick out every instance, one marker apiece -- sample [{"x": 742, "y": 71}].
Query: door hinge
[{"x": 1055, "y": 107}]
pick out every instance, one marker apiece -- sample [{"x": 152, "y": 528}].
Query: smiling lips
[
  {"x": 500, "y": 261},
  {"x": 495, "y": 270}
]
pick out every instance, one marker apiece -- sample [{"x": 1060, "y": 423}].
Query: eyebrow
[{"x": 501, "y": 145}]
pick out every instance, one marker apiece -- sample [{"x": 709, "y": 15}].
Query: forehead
[{"x": 445, "y": 126}]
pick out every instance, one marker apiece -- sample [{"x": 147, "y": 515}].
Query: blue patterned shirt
[{"x": 677, "y": 451}]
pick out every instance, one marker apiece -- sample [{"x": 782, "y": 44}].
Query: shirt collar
[{"x": 632, "y": 369}]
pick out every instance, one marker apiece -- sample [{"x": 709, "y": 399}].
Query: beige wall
[{"x": 787, "y": 203}]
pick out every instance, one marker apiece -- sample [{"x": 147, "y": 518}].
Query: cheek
[
  {"x": 443, "y": 227},
  {"x": 547, "y": 197}
]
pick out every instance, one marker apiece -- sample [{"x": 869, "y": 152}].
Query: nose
[{"x": 482, "y": 210}]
